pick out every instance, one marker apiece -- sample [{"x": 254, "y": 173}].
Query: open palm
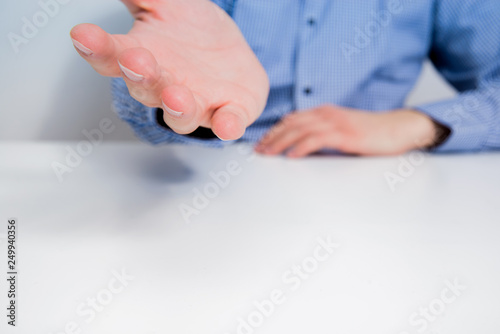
[{"x": 187, "y": 57}]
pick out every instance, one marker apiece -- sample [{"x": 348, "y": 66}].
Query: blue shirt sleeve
[{"x": 466, "y": 51}]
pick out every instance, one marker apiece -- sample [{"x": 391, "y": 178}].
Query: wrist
[{"x": 420, "y": 131}]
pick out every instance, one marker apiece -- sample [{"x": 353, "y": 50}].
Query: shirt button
[
  {"x": 308, "y": 90},
  {"x": 311, "y": 21}
]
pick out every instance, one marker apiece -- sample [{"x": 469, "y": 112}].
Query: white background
[{"x": 47, "y": 92}]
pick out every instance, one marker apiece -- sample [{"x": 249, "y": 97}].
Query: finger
[
  {"x": 283, "y": 142},
  {"x": 138, "y": 6},
  {"x": 133, "y": 6},
  {"x": 229, "y": 122},
  {"x": 98, "y": 48},
  {"x": 143, "y": 75},
  {"x": 184, "y": 111},
  {"x": 313, "y": 143},
  {"x": 276, "y": 130},
  {"x": 290, "y": 121},
  {"x": 284, "y": 135}
]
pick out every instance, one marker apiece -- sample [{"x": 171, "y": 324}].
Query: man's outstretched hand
[{"x": 187, "y": 57}]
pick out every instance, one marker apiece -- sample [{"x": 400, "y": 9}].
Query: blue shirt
[{"x": 365, "y": 55}]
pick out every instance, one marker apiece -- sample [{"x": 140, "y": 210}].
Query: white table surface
[{"x": 119, "y": 210}]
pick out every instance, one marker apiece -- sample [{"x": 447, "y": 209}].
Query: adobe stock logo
[
  {"x": 422, "y": 320},
  {"x": 31, "y": 26}
]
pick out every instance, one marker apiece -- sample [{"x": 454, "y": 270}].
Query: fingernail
[
  {"x": 131, "y": 74},
  {"x": 173, "y": 113},
  {"x": 220, "y": 137},
  {"x": 86, "y": 51}
]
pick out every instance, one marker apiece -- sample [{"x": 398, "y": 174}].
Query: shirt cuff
[{"x": 468, "y": 131}]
